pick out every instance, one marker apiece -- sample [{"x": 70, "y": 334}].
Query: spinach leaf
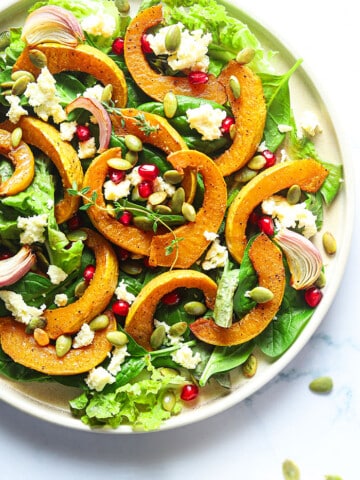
[
  {"x": 68, "y": 87},
  {"x": 247, "y": 281},
  {"x": 223, "y": 311}
]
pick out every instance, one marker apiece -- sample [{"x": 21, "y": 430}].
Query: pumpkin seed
[
  {"x": 173, "y": 38},
  {"x": 157, "y": 198},
  {"x": 4, "y": 39},
  {"x": 131, "y": 267},
  {"x": 122, "y": 5},
  {"x": 321, "y": 385},
  {"x": 245, "y": 55},
  {"x": 116, "y": 338},
  {"x": 232, "y": 131},
  {"x": 290, "y": 470},
  {"x": 16, "y": 136},
  {"x": 321, "y": 280},
  {"x": 22, "y": 73},
  {"x": 178, "y": 329},
  {"x": 63, "y": 345},
  {"x": 168, "y": 372},
  {"x": 20, "y": 85},
  {"x": 37, "y": 58},
  {"x": 5, "y": 93},
  {"x": 293, "y": 194},
  {"x": 329, "y": 243},
  {"x": 132, "y": 157},
  {"x": 170, "y": 104},
  {"x": 99, "y": 323},
  {"x": 111, "y": 210},
  {"x": 257, "y": 163},
  {"x": 245, "y": 175},
  {"x": 8, "y": 84},
  {"x": 173, "y": 177},
  {"x": 235, "y": 86},
  {"x": 157, "y": 337},
  {"x": 260, "y": 294},
  {"x": 80, "y": 288},
  {"x": 162, "y": 209},
  {"x": 119, "y": 164},
  {"x": 41, "y": 337},
  {"x": 144, "y": 223},
  {"x": 188, "y": 211},
  {"x": 168, "y": 400},
  {"x": 332, "y": 477},
  {"x": 35, "y": 323},
  {"x": 249, "y": 368},
  {"x": 177, "y": 200},
  {"x": 77, "y": 235},
  {"x": 107, "y": 93},
  {"x": 195, "y": 308},
  {"x": 133, "y": 143}
]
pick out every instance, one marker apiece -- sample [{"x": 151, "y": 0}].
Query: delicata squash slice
[
  {"x": 24, "y": 349},
  {"x": 140, "y": 319},
  {"x": 267, "y": 261},
  {"x": 154, "y": 84},
  {"x": 24, "y": 165},
  {"x": 307, "y": 173},
  {"x": 69, "y": 319},
  {"x": 83, "y": 58},
  {"x": 46, "y": 138}
]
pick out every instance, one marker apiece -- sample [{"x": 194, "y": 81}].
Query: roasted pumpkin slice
[
  {"x": 69, "y": 319},
  {"x": 83, "y": 58},
  {"x": 249, "y": 110},
  {"x": 47, "y": 139},
  {"x": 307, "y": 173},
  {"x": 128, "y": 237},
  {"x": 190, "y": 241},
  {"x": 266, "y": 258},
  {"x": 140, "y": 319},
  {"x": 24, "y": 165},
  {"x": 159, "y": 133},
  {"x": 23, "y": 349},
  {"x": 152, "y": 83}
]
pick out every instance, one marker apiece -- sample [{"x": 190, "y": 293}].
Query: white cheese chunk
[
  {"x": 16, "y": 111},
  {"x": 122, "y": 293},
  {"x": 101, "y": 24},
  {"x": 33, "y": 228},
  {"x": 22, "y": 312},
  {"x": 56, "y": 274},
  {"x": 185, "y": 357},
  {"x": 114, "y": 191},
  {"x": 215, "y": 257},
  {"x": 67, "y": 131},
  {"x": 99, "y": 377},
  {"x": 118, "y": 357},
  {"x": 87, "y": 148},
  {"x": 206, "y": 120},
  {"x": 61, "y": 299},
  {"x": 84, "y": 337}
]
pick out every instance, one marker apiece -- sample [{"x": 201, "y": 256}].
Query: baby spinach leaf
[{"x": 223, "y": 311}]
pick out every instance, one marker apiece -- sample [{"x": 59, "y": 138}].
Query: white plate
[{"x": 50, "y": 401}]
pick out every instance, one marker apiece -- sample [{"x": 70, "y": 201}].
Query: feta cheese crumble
[
  {"x": 118, "y": 357},
  {"x": 210, "y": 236},
  {"x": 216, "y": 256},
  {"x": 114, "y": 191},
  {"x": 206, "y": 120},
  {"x": 122, "y": 293},
  {"x": 309, "y": 124},
  {"x": 16, "y": 111},
  {"x": 84, "y": 337},
  {"x": 99, "y": 377},
  {"x": 67, "y": 131},
  {"x": 94, "y": 92},
  {"x": 33, "y": 228},
  {"x": 170, "y": 339},
  {"x": 61, "y": 299},
  {"x": 185, "y": 357},
  {"x": 87, "y": 148},
  {"x": 101, "y": 24},
  {"x": 22, "y": 312},
  {"x": 160, "y": 185},
  {"x": 56, "y": 274}
]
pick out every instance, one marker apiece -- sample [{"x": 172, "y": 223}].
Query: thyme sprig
[{"x": 141, "y": 122}]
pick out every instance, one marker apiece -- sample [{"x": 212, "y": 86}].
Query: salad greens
[{"x": 146, "y": 388}]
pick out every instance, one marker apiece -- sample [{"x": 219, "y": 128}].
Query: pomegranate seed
[
  {"x": 4, "y": 255},
  {"x": 121, "y": 307},
  {"x": 189, "y": 392},
  {"x": 148, "y": 171},
  {"x": 74, "y": 223},
  {"x": 226, "y": 125},
  {"x": 198, "y": 78},
  {"x": 269, "y": 157},
  {"x": 116, "y": 176},
  {"x": 171, "y": 298},
  {"x": 123, "y": 254},
  {"x": 126, "y": 218},
  {"x": 83, "y": 133},
  {"x": 117, "y": 46},
  {"x": 145, "y": 44},
  {"x": 313, "y": 296},
  {"x": 89, "y": 273},
  {"x": 266, "y": 225},
  {"x": 145, "y": 188}
]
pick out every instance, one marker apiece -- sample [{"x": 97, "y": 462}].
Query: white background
[{"x": 284, "y": 420}]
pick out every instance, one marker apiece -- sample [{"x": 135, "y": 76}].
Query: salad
[{"x": 159, "y": 204}]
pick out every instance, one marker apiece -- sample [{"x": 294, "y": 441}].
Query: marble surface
[{"x": 284, "y": 419}]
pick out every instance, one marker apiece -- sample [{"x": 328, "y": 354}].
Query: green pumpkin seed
[
  {"x": 257, "y": 163},
  {"x": 20, "y": 85},
  {"x": 122, "y": 5},
  {"x": 235, "y": 86},
  {"x": 144, "y": 223},
  {"x": 5, "y": 93},
  {"x": 173, "y": 38},
  {"x": 245, "y": 175},
  {"x": 22, "y": 73},
  {"x": 321, "y": 385},
  {"x": 177, "y": 200},
  {"x": 37, "y": 58},
  {"x": 249, "y": 368},
  {"x": 35, "y": 323},
  {"x": 168, "y": 372},
  {"x": 111, "y": 210},
  {"x": 329, "y": 243},
  {"x": 162, "y": 209},
  {"x": 173, "y": 177},
  {"x": 170, "y": 104},
  {"x": 290, "y": 470},
  {"x": 245, "y": 55},
  {"x": 168, "y": 400},
  {"x": 195, "y": 308},
  {"x": 63, "y": 345},
  {"x": 7, "y": 85},
  {"x": 16, "y": 136},
  {"x": 188, "y": 211},
  {"x": 119, "y": 164},
  {"x": 178, "y": 329},
  {"x": 132, "y": 157},
  {"x": 157, "y": 337},
  {"x": 232, "y": 131},
  {"x": 80, "y": 288},
  {"x": 321, "y": 280},
  {"x": 4, "y": 39},
  {"x": 77, "y": 235},
  {"x": 133, "y": 143},
  {"x": 99, "y": 323},
  {"x": 293, "y": 194},
  {"x": 333, "y": 477},
  {"x": 157, "y": 198},
  {"x": 107, "y": 93},
  {"x": 118, "y": 339},
  {"x": 260, "y": 294},
  {"x": 131, "y": 268}
]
